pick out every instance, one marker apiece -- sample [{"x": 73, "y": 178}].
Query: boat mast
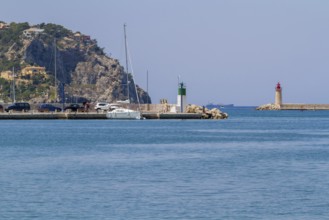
[
  {"x": 55, "y": 71},
  {"x": 126, "y": 53},
  {"x": 147, "y": 86},
  {"x": 14, "y": 94}
]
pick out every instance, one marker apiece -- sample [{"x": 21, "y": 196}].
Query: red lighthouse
[{"x": 278, "y": 94}]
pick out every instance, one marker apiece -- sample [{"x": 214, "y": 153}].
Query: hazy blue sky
[{"x": 225, "y": 51}]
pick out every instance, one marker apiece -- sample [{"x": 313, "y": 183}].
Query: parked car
[
  {"x": 102, "y": 106},
  {"x": 18, "y": 106},
  {"x": 48, "y": 108},
  {"x": 74, "y": 108}
]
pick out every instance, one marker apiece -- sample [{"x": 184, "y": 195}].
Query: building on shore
[
  {"x": 3, "y": 26},
  {"x": 7, "y": 75},
  {"x": 32, "y": 70},
  {"x": 32, "y": 32},
  {"x": 25, "y": 75}
]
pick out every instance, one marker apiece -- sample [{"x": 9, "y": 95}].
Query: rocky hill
[{"x": 82, "y": 70}]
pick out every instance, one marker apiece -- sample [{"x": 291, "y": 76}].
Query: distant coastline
[{"x": 211, "y": 106}]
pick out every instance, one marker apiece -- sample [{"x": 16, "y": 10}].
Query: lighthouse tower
[
  {"x": 181, "y": 97},
  {"x": 278, "y": 95}
]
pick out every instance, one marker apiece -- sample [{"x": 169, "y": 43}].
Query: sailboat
[{"x": 117, "y": 111}]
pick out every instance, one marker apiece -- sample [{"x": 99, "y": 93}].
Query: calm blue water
[{"x": 255, "y": 165}]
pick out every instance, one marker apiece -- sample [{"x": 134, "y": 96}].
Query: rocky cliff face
[{"x": 82, "y": 68}]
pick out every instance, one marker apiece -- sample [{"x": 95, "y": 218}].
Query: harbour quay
[
  {"x": 153, "y": 115},
  {"x": 51, "y": 115},
  {"x": 88, "y": 115}
]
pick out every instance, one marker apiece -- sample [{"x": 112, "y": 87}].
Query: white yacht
[
  {"x": 123, "y": 113},
  {"x": 118, "y": 112}
]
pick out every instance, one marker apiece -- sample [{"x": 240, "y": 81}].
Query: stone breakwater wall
[
  {"x": 294, "y": 107},
  {"x": 268, "y": 107},
  {"x": 154, "y": 115},
  {"x": 206, "y": 113},
  {"x": 305, "y": 107}
]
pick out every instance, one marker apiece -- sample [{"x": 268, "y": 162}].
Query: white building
[
  {"x": 32, "y": 32},
  {"x": 3, "y": 26}
]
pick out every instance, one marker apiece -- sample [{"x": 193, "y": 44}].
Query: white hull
[{"x": 122, "y": 113}]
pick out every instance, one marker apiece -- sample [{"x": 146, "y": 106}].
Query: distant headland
[{"x": 49, "y": 63}]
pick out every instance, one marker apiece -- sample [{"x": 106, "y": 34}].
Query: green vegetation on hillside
[
  {"x": 55, "y": 31},
  {"x": 8, "y": 64},
  {"x": 12, "y": 35},
  {"x": 26, "y": 87}
]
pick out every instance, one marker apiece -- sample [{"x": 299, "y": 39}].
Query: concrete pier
[
  {"x": 89, "y": 115},
  {"x": 55, "y": 115},
  {"x": 294, "y": 106},
  {"x": 304, "y": 107},
  {"x": 172, "y": 115}
]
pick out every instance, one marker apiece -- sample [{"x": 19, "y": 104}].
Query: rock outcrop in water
[
  {"x": 268, "y": 107},
  {"x": 206, "y": 113}
]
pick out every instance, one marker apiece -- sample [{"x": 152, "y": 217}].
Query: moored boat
[
  {"x": 118, "y": 112},
  {"x": 123, "y": 113}
]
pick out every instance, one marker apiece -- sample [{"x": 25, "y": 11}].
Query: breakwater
[
  {"x": 301, "y": 107},
  {"x": 172, "y": 115},
  {"x": 278, "y": 105},
  {"x": 89, "y": 115},
  {"x": 304, "y": 107}
]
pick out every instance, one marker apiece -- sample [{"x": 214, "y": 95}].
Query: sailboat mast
[
  {"x": 147, "y": 86},
  {"x": 55, "y": 70},
  {"x": 126, "y": 53},
  {"x": 14, "y": 93}
]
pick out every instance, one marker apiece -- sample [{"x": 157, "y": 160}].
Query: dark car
[
  {"x": 48, "y": 108},
  {"x": 18, "y": 106},
  {"x": 75, "y": 108}
]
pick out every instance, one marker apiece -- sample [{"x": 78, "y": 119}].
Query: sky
[{"x": 225, "y": 51}]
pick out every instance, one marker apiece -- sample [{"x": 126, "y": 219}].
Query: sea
[{"x": 253, "y": 165}]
